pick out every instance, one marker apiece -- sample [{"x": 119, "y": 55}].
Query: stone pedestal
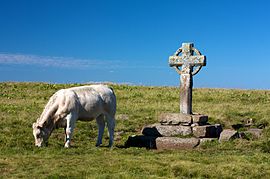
[{"x": 176, "y": 131}]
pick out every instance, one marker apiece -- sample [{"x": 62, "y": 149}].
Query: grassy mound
[{"x": 22, "y": 103}]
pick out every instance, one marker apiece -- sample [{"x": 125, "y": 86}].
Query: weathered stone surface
[
  {"x": 174, "y": 118},
  {"x": 186, "y": 82},
  {"x": 159, "y": 130},
  {"x": 184, "y": 124},
  {"x": 170, "y": 143},
  {"x": 141, "y": 141},
  {"x": 191, "y": 62},
  {"x": 199, "y": 118},
  {"x": 179, "y": 118},
  {"x": 207, "y": 131},
  {"x": 228, "y": 134},
  {"x": 256, "y": 133}
]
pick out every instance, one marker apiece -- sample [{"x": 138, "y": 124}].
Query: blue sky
[{"x": 129, "y": 41}]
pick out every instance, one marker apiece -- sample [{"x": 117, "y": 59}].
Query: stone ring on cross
[{"x": 188, "y": 62}]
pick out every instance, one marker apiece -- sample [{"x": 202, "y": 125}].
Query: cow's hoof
[
  {"x": 111, "y": 147},
  {"x": 67, "y": 145},
  {"x": 98, "y": 144}
]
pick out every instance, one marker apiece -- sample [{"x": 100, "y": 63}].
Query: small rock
[
  {"x": 228, "y": 134},
  {"x": 245, "y": 123},
  {"x": 255, "y": 132},
  {"x": 170, "y": 143},
  {"x": 249, "y": 122}
]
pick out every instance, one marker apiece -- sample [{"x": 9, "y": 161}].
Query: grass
[{"x": 22, "y": 103}]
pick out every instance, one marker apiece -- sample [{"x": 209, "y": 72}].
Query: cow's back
[{"x": 94, "y": 100}]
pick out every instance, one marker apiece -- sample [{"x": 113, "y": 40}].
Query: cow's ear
[{"x": 39, "y": 126}]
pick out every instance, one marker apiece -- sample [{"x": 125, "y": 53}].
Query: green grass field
[{"x": 22, "y": 103}]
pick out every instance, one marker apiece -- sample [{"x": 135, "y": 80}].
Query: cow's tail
[{"x": 113, "y": 101}]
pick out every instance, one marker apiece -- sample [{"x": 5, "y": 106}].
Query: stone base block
[
  {"x": 228, "y": 134},
  {"x": 207, "y": 131},
  {"x": 172, "y": 143},
  {"x": 148, "y": 142},
  {"x": 178, "y": 118},
  {"x": 159, "y": 130},
  {"x": 256, "y": 133}
]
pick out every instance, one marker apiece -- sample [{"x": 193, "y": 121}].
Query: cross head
[{"x": 188, "y": 60}]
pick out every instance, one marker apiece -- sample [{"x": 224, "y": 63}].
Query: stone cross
[{"x": 190, "y": 65}]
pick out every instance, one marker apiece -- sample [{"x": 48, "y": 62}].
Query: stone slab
[
  {"x": 228, "y": 134},
  {"x": 141, "y": 141},
  {"x": 255, "y": 132},
  {"x": 207, "y": 131},
  {"x": 174, "y": 118},
  {"x": 159, "y": 130},
  {"x": 174, "y": 143},
  {"x": 179, "y": 118}
]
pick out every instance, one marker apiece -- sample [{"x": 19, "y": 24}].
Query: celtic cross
[{"x": 190, "y": 65}]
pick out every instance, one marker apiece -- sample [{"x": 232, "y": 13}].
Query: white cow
[{"x": 82, "y": 103}]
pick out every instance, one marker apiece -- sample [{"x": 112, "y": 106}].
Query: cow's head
[{"x": 40, "y": 134}]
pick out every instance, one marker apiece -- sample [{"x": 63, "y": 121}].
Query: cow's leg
[
  {"x": 101, "y": 126},
  {"x": 71, "y": 119},
  {"x": 111, "y": 125},
  {"x": 65, "y": 129}
]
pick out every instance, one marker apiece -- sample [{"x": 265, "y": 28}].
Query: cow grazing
[{"x": 83, "y": 103}]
